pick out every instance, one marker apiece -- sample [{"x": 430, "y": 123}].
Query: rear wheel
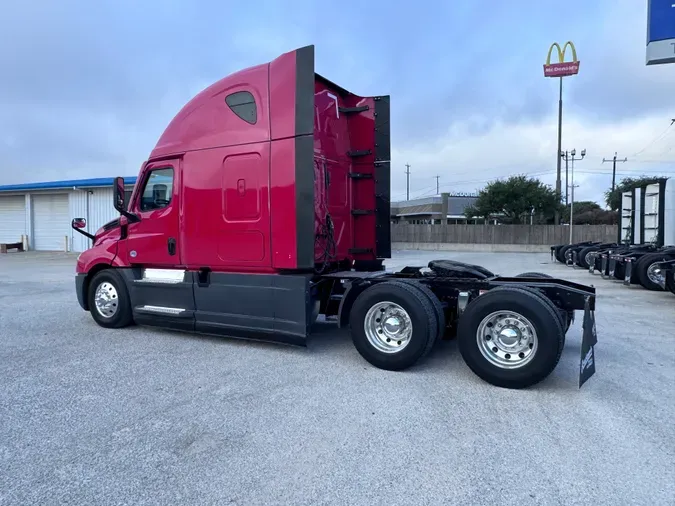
[
  {"x": 438, "y": 307},
  {"x": 584, "y": 257},
  {"x": 393, "y": 325},
  {"x": 561, "y": 254},
  {"x": 510, "y": 338},
  {"x": 648, "y": 273},
  {"x": 109, "y": 302}
]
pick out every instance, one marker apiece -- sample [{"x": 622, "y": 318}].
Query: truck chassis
[{"x": 510, "y": 330}]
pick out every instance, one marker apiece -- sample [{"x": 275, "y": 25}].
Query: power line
[
  {"x": 655, "y": 140},
  {"x": 470, "y": 181}
]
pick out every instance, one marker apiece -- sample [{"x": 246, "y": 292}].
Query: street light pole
[
  {"x": 573, "y": 153},
  {"x": 559, "y": 166}
]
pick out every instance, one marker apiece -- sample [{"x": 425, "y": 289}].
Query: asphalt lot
[{"x": 143, "y": 416}]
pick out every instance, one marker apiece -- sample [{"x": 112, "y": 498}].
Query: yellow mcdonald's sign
[{"x": 561, "y": 68}]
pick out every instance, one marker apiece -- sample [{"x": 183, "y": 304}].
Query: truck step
[
  {"x": 360, "y": 251},
  {"x": 362, "y": 212}
]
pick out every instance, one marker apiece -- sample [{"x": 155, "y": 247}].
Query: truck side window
[
  {"x": 158, "y": 189},
  {"x": 243, "y": 105}
]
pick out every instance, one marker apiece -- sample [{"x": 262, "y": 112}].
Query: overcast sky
[{"x": 86, "y": 88}]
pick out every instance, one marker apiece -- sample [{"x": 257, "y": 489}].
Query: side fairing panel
[{"x": 226, "y": 215}]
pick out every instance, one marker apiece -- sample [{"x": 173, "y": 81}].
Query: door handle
[{"x": 171, "y": 244}]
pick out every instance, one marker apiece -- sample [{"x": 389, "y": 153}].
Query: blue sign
[
  {"x": 660, "y": 32},
  {"x": 661, "y": 20}
]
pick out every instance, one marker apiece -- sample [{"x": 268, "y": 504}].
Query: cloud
[{"x": 470, "y": 161}]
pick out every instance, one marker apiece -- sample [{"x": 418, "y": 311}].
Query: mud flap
[
  {"x": 603, "y": 272},
  {"x": 588, "y": 341},
  {"x": 591, "y": 264}
]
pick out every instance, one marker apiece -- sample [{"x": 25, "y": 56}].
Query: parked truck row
[
  {"x": 644, "y": 253},
  {"x": 265, "y": 203}
]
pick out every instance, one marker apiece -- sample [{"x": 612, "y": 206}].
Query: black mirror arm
[
  {"x": 133, "y": 218},
  {"x": 86, "y": 234}
]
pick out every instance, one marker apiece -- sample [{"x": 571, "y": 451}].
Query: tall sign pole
[{"x": 560, "y": 70}]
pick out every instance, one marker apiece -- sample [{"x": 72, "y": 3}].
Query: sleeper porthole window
[{"x": 243, "y": 105}]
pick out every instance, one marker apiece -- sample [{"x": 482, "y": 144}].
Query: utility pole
[
  {"x": 566, "y": 155},
  {"x": 573, "y": 153},
  {"x": 407, "y": 182},
  {"x": 614, "y": 160},
  {"x": 437, "y": 186}
]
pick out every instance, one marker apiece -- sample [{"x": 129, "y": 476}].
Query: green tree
[
  {"x": 613, "y": 198},
  {"x": 580, "y": 207},
  {"x": 514, "y": 199}
]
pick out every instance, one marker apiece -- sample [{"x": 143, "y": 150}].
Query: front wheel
[
  {"x": 109, "y": 302},
  {"x": 510, "y": 338},
  {"x": 393, "y": 325}
]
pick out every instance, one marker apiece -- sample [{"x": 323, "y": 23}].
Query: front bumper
[{"x": 79, "y": 290}]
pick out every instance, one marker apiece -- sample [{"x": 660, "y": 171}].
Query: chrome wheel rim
[
  {"x": 388, "y": 327},
  {"x": 106, "y": 300},
  {"x": 590, "y": 258},
  {"x": 507, "y": 339},
  {"x": 655, "y": 274}
]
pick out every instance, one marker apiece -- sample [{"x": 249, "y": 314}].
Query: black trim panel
[
  {"x": 79, "y": 290},
  {"x": 304, "y": 201},
  {"x": 267, "y": 307},
  {"x": 169, "y": 295},
  {"x": 304, "y": 91},
  {"x": 382, "y": 178},
  {"x": 643, "y": 194},
  {"x": 662, "y": 212},
  {"x": 304, "y": 156}
]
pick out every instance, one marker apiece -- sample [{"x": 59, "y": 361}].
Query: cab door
[{"x": 153, "y": 241}]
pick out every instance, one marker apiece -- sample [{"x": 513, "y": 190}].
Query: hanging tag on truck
[{"x": 588, "y": 341}]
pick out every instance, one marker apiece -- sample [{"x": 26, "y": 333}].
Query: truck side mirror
[
  {"x": 118, "y": 195},
  {"x": 79, "y": 223}
]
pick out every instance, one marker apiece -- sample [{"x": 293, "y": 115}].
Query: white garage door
[
  {"x": 50, "y": 222},
  {"x": 12, "y": 218}
]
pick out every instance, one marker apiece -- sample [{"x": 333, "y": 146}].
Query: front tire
[
  {"x": 108, "y": 299},
  {"x": 393, "y": 325},
  {"x": 510, "y": 338}
]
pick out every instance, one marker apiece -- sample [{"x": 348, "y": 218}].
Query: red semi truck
[{"x": 265, "y": 203}]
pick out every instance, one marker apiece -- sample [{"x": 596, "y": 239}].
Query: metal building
[
  {"x": 39, "y": 214},
  {"x": 430, "y": 209}
]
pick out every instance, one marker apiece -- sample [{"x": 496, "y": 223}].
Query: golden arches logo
[
  {"x": 561, "y": 52},
  {"x": 561, "y": 68}
]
